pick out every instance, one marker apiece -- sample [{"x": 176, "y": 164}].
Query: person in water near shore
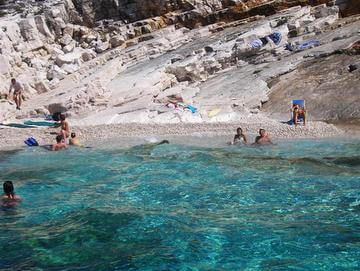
[
  {"x": 239, "y": 137},
  {"x": 60, "y": 144},
  {"x": 18, "y": 88},
  {"x": 262, "y": 138},
  {"x": 65, "y": 128},
  {"x": 9, "y": 198},
  {"x": 74, "y": 140},
  {"x": 298, "y": 111}
]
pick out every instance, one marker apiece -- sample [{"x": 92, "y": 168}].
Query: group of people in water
[
  {"x": 262, "y": 139},
  {"x": 64, "y": 134},
  {"x": 10, "y": 199}
]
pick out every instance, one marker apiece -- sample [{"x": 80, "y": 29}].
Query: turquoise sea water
[{"x": 293, "y": 206}]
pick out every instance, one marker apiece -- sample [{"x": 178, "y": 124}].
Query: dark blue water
[{"x": 293, "y": 206}]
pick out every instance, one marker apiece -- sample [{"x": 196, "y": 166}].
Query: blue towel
[
  {"x": 276, "y": 37},
  {"x": 192, "y": 108},
  {"x": 256, "y": 44},
  {"x": 306, "y": 45},
  {"x": 31, "y": 142}
]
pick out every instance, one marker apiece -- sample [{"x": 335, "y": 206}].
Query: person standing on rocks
[
  {"x": 65, "y": 128},
  {"x": 17, "y": 92}
]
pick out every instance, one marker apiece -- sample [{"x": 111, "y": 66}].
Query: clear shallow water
[{"x": 293, "y": 206}]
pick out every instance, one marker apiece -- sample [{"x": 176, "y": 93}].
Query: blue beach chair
[{"x": 300, "y": 118}]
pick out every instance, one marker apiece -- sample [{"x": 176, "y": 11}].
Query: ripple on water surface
[{"x": 293, "y": 206}]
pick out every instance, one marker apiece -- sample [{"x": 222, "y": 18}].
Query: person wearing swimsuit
[
  {"x": 298, "y": 111},
  {"x": 239, "y": 137}
]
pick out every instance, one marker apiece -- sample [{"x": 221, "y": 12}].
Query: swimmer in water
[
  {"x": 9, "y": 198},
  {"x": 263, "y": 138},
  {"x": 240, "y": 137},
  {"x": 59, "y": 145}
]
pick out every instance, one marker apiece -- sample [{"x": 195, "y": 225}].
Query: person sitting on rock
[
  {"x": 262, "y": 138},
  {"x": 17, "y": 92},
  {"x": 239, "y": 137},
  {"x": 9, "y": 198},
  {"x": 74, "y": 140},
  {"x": 65, "y": 128},
  {"x": 60, "y": 144},
  {"x": 298, "y": 111}
]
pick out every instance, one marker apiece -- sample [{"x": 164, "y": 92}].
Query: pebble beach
[{"x": 14, "y": 137}]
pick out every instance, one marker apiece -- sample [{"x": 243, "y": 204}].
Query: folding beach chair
[{"x": 301, "y": 104}]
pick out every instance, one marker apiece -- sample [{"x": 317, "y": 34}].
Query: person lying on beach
[
  {"x": 74, "y": 140},
  {"x": 59, "y": 145},
  {"x": 65, "y": 128},
  {"x": 239, "y": 137},
  {"x": 9, "y": 198},
  {"x": 262, "y": 138}
]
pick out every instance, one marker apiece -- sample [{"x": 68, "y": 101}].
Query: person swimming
[
  {"x": 9, "y": 198},
  {"x": 59, "y": 145},
  {"x": 262, "y": 138},
  {"x": 239, "y": 137}
]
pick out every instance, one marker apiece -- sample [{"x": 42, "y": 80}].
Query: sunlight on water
[{"x": 293, "y": 206}]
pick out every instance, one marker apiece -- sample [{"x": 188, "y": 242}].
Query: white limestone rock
[
  {"x": 116, "y": 41},
  {"x": 71, "y": 58},
  {"x": 70, "y": 47},
  {"x": 41, "y": 87},
  {"x": 87, "y": 55},
  {"x": 65, "y": 40},
  {"x": 4, "y": 65},
  {"x": 55, "y": 72},
  {"x": 70, "y": 68},
  {"x": 101, "y": 46}
]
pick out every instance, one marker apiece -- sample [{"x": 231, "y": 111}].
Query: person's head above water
[
  {"x": 262, "y": 132},
  {"x": 73, "y": 135},
  {"x": 239, "y": 131},
  {"x": 59, "y": 138},
  {"x": 13, "y": 80},
  {"x": 8, "y": 188}
]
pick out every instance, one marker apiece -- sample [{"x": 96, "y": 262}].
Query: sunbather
[{"x": 298, "y": 111}]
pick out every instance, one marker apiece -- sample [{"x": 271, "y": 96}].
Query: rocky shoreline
[{"x": 14, "y": 137}]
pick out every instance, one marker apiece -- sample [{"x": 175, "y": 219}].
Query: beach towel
[
  {"x": 40, "y": 123},
  {"x": 303, "y": 46},
  {"x": 31, "y": 142},
  {"x": 256, "y": 44},
  {"x": 276, "y": 37},
  {"x": 16, "y": 125}
]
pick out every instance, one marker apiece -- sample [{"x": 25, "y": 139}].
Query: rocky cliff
[{"x": 107, "y": 58}]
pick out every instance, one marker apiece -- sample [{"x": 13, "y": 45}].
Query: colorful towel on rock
[
  {"x": 260, "y": 42},
  {"x": 303, "y": 46}
]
